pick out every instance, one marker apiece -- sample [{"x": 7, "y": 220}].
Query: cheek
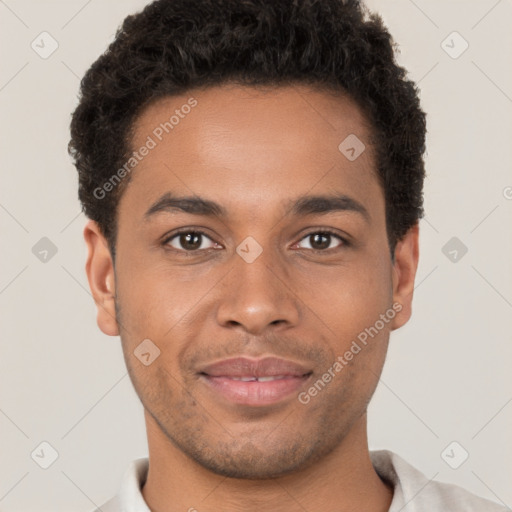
[
  {"x": 346, "y": 299},
  {"x": 156, "y": 300}
]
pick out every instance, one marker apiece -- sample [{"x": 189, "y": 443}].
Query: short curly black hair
[{"x": 172, "y": 46}]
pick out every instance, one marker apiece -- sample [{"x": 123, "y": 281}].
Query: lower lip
[{"x": 254, "y": 392}]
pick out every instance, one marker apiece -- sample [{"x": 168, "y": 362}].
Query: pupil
[
  {"x": 190, "y": 240},
  {"x": 317, "y": 240}
]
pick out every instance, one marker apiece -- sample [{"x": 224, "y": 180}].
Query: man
[{"x": 253, "y": 173}]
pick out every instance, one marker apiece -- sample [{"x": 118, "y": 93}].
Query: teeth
[{"x": 259, "y": 379}]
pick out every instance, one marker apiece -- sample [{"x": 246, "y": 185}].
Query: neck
[{"x": 342, "y": 481}]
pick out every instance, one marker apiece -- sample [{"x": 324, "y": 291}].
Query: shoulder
[
  {"x": 421, "y": 494},
  {"x": 129, "y": 497}
]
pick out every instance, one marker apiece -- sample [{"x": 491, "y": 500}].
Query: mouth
[
  {"x": 255, "y": 391},
  {"x": 249, "y": 382},
  {"x": 267, "y": 378}
]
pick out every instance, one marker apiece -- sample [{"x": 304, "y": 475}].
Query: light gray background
[{"x": 447, "y": 377}]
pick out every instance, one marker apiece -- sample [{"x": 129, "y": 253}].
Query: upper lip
[{"x": 246, "y": 367}]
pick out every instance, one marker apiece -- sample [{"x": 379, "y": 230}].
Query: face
[{"x": 246, "y": 232}]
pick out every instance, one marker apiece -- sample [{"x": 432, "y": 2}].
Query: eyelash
[
  {"x": 323, "y": 231},
  {"x": 327, "y": 231}
]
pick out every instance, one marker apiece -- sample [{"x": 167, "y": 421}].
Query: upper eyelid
[
  {"x": 182, "y": 231},
  {"x": 329, "y": 231},
  {"x": 345, "y": 240},
  {"x": 168, "y": 238}
]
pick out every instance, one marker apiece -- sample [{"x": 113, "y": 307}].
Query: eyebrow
[
  {"x": 302, "y": 206},
  {"x": 311, "y": 205},
  {"x": 193, "y": 204}
]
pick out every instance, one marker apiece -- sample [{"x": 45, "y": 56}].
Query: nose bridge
[{"x": 255, "y": 294}]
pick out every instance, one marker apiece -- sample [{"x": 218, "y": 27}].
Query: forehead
[{"x": 258, "y": 145}]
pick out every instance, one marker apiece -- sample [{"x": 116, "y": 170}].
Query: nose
[{"x": 258, "y": 296}]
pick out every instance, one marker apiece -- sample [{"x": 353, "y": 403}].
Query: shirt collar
[{"x": 407, "y": 482}]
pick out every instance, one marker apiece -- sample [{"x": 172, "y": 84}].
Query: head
[{"x": 253, "y": 174}]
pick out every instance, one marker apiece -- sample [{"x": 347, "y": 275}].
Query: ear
[
  {"x": 101, "y": 276},
  {"x": 404, "y": 272}
]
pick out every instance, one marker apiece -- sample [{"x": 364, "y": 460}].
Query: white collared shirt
[{"x": 413, "y": 491}]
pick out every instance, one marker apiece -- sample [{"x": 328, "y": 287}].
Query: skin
[{"x": 254, "y": 152}]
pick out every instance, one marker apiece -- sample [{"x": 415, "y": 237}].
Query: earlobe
[
  {"x": 404, "y": 273},
  {"x": 101, "y": 277}
]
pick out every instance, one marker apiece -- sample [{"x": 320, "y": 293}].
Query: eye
[
  {"x": 322, "y": 241},
  {"x": 191, "y": 241}
]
